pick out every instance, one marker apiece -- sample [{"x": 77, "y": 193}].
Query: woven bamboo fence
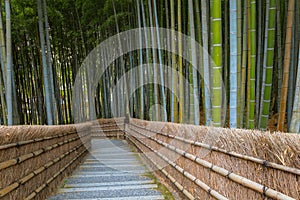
[
  {"x": 217, "y": 163},
  {"x": 35, "y": 159}
]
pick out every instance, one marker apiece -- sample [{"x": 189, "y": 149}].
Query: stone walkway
[{"x": 110, "y": 172}]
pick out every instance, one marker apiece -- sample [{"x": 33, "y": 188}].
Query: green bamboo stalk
[
  {"x": 194, "y": 64},
  {"x": 173, "y": 107},
  {"x": 168, "y": 59},
  {"x": 180, "y": 63},
  {"x": 3, "y": 70},
  {"x": 216, "y": 42},
  {"x": 259, "y": 57},
  {"x": 252, "y": 64},
  {"x": 244, "y": 64},
  {"x": 2, "y": 48},
  {"x": 2, "y": 101},
  {"x": 239, "y": 61},
  {"x": 268, "y": 63}
]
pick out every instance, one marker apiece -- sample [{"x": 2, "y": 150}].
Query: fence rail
[
  {"x": 265, "y": 163},
  {"x": 236, "y": 164},
  {"x": 178, "y": 158},
  {"x": 34, "y": 159}
]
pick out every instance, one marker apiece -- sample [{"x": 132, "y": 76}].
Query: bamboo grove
[{"x": 248, "y": 78}]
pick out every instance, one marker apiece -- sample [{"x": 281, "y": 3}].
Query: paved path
[{"x": 110, "y": 172}]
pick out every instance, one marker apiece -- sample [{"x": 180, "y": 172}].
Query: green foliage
[{"x": 77, "y": 26}]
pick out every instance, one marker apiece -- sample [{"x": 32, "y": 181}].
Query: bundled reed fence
[
  {"x": 112, "y": 128},
  {"x": 217, "y": 163},
  {"x": 35, "y": 159}
]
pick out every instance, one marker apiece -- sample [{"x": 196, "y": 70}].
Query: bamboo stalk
[
  {"x": 293, "y": 66},
  {"x": 260, "y": 49},
  {"x": 180, "y": 63},
  {"x": 160, "y": 71},
  {"x": 295, "y": 121},
  {"x": 279, "y": 54},
  {"x": 268, "y": 63},
  {"x": 157, "y": 114},
  {"x": 239, "y": 60},
  {"x": 217, "y": 68},
  {"x": 244, "y": 64},
  {"x": 140, "y": 76},
  {"x": 287, "y": 60},
  {"x": 252, "y": 64},
  {"x": 194, "y": 66},
  {"x": 173, "y": 107},
  {"x": 233, "y": 63},
  {"x": 150, "y": 73},
  {"x": 206, "y": 63}
]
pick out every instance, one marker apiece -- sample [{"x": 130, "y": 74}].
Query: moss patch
[
  {"x": 64, "y": 183},
  {"x": 167, "y": 194},
  {"x": 162, "y": 188}
]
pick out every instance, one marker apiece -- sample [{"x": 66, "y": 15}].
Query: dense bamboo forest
[{"x": 238, "y": 68}]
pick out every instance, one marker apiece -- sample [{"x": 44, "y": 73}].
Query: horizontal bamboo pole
[
  {"x": 231, "y": 153},
  {"x": 108, "y": 125},
  {"x": 42, "y": 187},
  {"x": 171, "y": 178},
  {"x": 20, "y": 159},
  {"x": 194, "y": 179},
  {"x": 109, "y": 121},
  {"x": 225, "y": 173},
  {"x": 116, "y": 130},
  {"x": 21, "y": 143},
  {"x": 23, "y": 180},
  {"x": 7, "y": 146}
]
